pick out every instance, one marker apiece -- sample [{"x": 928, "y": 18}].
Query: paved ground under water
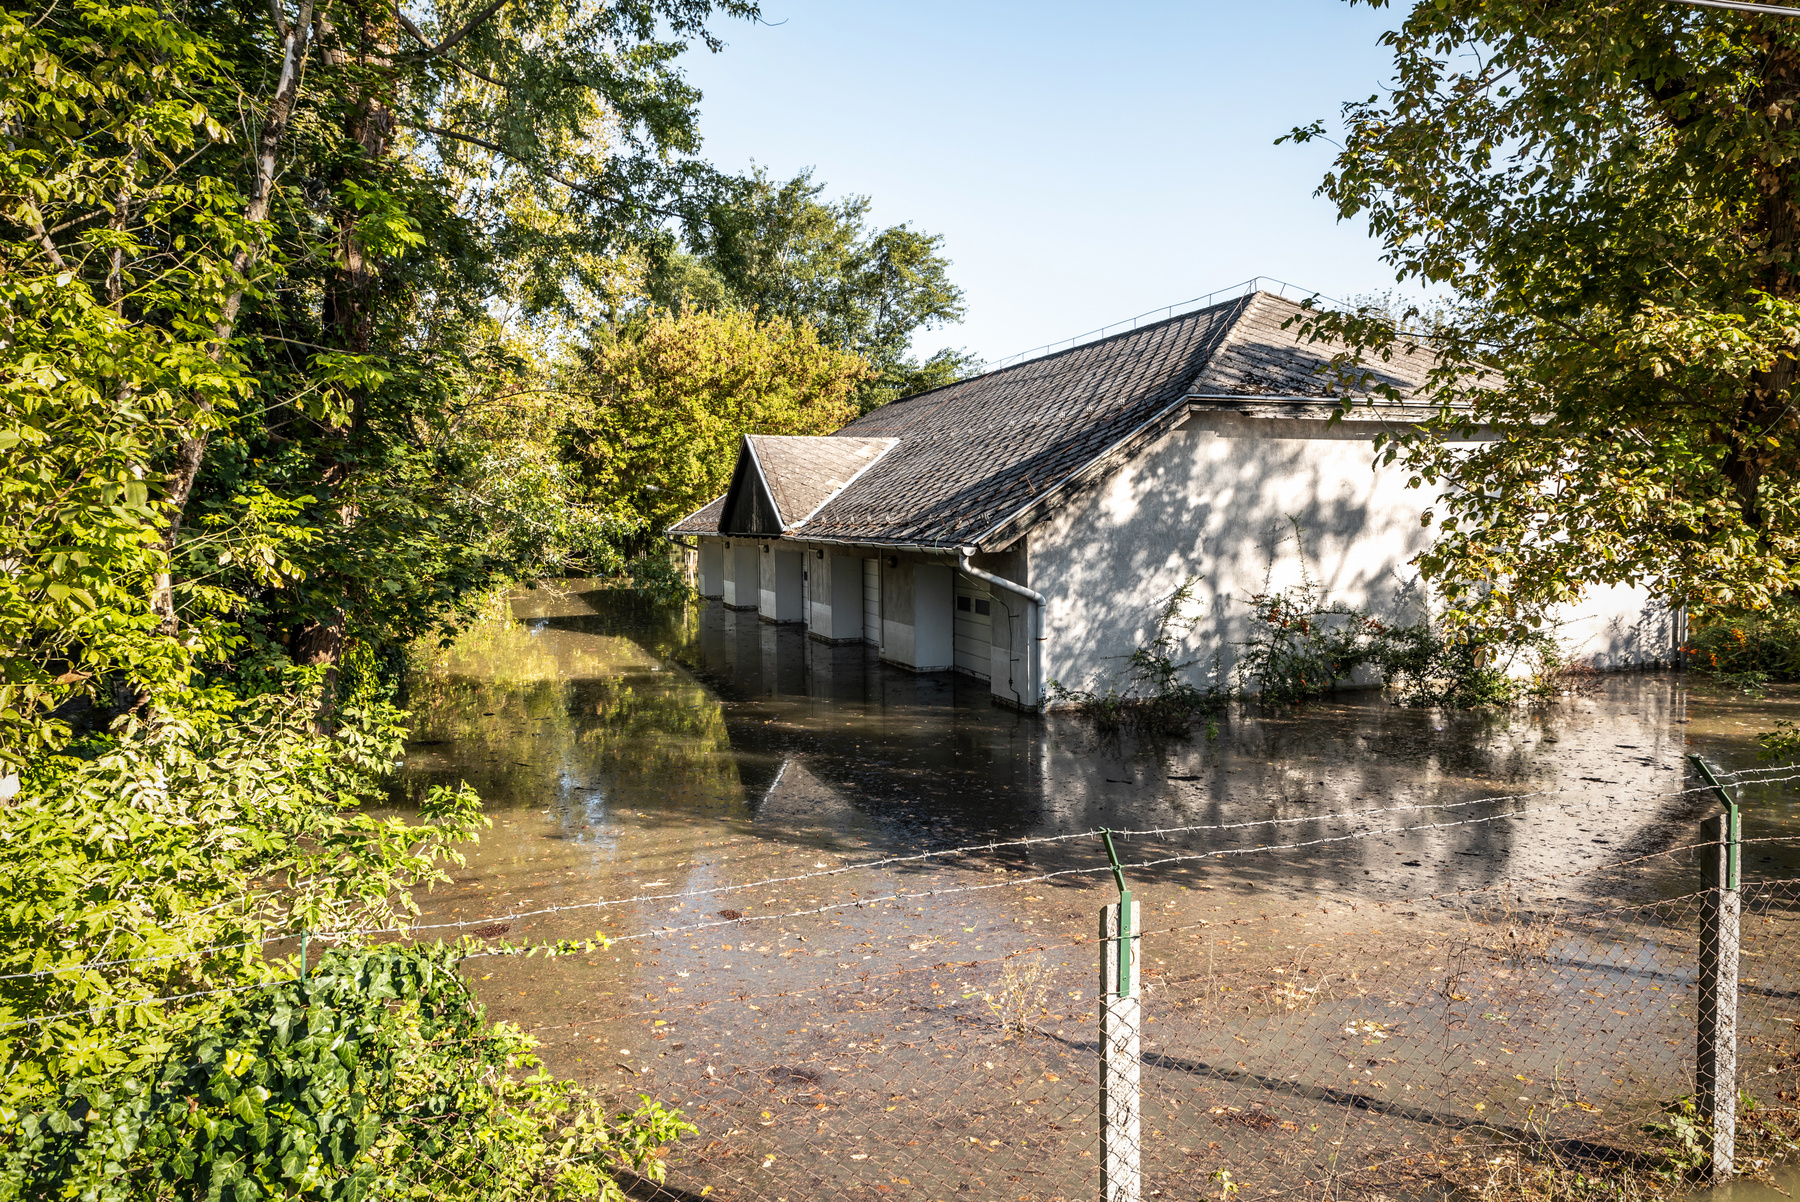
[{"x": 701, "y": 787}]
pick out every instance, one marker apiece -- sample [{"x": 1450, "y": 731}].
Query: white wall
[
  {"x": 743, "y": 574},
  {"x": 837, "y": 597},
  {"x": 934, "y": 617},
  {"x": 1012, "y": 631},
  {"x": 1219, "y": 498},
  {"x": 781, "y": 583},
  {"x": 918, "y": 613},
  {"x": 711, "y": 581}
]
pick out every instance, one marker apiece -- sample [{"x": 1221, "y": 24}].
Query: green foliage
[
  {"x": 248, "y": 309},
  {"x": 664, "y": 412},
  {"x": 1746, "y": 650},
  {"x": 218, "y": 827},
  {"x": 273, "y": 280},
  {"x": 1155, "y": 698},
  {"x": 98, "y": 99},
  {"x": 1687, "y": 1140},
  {"x": 779, "y": 251},
  {"x": 1781, "y": 743},
  {"x": 534, "y": 519},
  {"x": 150, "y": 1049},
  {"x": 1763, "y": 1137},
  {"x": 1606, "y": 193},
  {"x": 1465, "y": 668},
  {"x": 1300, "y": 646},
  {"x": 375, "y": 1076}
]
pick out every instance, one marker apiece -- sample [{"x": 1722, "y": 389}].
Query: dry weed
[{"x": 1019, "y": 998}]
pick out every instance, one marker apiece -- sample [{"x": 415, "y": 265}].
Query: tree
[
  {"x": 1611, "y": 193},
  {"x": 781, "y": 251},
  {"x": 152, "y": 1048},
  {"x": 107, "y": 357},
  {"x": 250, "y": 254},
  {"x": 251, "y": 259},
  {"x": 664, "y": 411}
]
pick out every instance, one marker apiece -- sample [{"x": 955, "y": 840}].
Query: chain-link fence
[
  {"x": 952, "y": 1032},
  {"x": 1492, "y": 1041}
]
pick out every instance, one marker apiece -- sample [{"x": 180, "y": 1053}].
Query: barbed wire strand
[
  {"x": 860, "y": 866},
  {"x": 1078, "y": 941},
  {"x": 153, "y": 1001},
  {"x": 991, "y": 845},
  {"x": 1066, "y": 872}
]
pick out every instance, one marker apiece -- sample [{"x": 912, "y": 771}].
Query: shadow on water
[{"x": 598, "y": 703}]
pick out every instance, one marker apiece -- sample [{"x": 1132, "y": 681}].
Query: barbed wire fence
[
  {"x": 1494, "y": 1042},
  {"x": 1491, "y": 1040}
]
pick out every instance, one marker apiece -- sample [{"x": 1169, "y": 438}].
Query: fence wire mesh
[
  {"x": 1447, "y": 1046},
  {"x": 938, "y": 1035},
  {"x": 1486, "y": 1044}
]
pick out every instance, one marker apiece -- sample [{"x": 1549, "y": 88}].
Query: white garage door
[
  {"x": 974, "y": 628},
  {"x": 872, "y": 601}
]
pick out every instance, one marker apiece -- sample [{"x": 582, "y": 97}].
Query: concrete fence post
[
  {"x": 1121, "y": 1021},
  {"x": 1715, "y": 1069}
]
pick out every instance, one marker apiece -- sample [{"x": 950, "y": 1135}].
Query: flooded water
[{"x": 701, "y": 787}]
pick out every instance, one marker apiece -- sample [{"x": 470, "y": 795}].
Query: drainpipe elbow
[{"x": 1038, "y": 602}]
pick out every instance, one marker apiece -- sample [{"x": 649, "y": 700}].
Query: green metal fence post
[{"x": 1121, "y": 1025}]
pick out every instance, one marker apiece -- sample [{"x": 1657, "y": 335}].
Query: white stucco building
[{"x": 1026, "y": 525}]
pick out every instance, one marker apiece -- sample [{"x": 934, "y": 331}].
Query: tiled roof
[
  {"x": 1260, "y": 358},
  {"x": 974, "y": 454},
  {"x": 704, "y": 520},
  {"x": 804, "y": 473}
]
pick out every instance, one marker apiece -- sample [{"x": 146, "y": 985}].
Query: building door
[
  {"x": 872, "y": 601},
  {"x": 974, "y": 628}
]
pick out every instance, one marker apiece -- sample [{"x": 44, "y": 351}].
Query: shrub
[
  {"x": 1155, "y": 699},
  {"x": 1300, "y": 648},
  {"x": 150, "y": 1050},
  {"x": 375, "y": 1076},
  {"x": 1746, "y": 650},
  {"x": 1423, "y": 664}
]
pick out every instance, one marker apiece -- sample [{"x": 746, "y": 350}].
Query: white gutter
[
  {"x": 800, "y": 536},
  {"x": 1035, "y": 635}
]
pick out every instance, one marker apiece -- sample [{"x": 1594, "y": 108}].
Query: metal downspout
[{"x": 1037, "y": 616}]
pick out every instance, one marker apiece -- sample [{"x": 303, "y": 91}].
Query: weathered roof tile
[
  {"x": 804, "y": 473},
  {"x": 973, "y": 453}
]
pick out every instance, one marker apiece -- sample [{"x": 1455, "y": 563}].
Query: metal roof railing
[{"x": 1261, "y": 283}]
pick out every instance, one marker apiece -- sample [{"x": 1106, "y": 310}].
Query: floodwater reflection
[
  {"x": 699, "y": 785},
  {"x": 596, "y": 703}
]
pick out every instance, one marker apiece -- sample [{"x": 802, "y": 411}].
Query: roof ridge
[
  {"x": 1227, "y": 330},
  {"x": 1163, "y": 322},
  {"x": 854, "y": 477}
]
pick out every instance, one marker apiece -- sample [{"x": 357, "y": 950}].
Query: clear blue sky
[{"x": 1084, "y": 162}]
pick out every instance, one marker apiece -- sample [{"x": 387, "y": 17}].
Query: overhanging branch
[
  {"x": 572, "y": 185},
  {"x": 467, "y": 28}
]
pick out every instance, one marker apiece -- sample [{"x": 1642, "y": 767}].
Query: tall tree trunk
[
  {"x": 1765, "y": 410},
  {"x": 191, "y": 451},
  {"x": 352, "y": 295}
]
